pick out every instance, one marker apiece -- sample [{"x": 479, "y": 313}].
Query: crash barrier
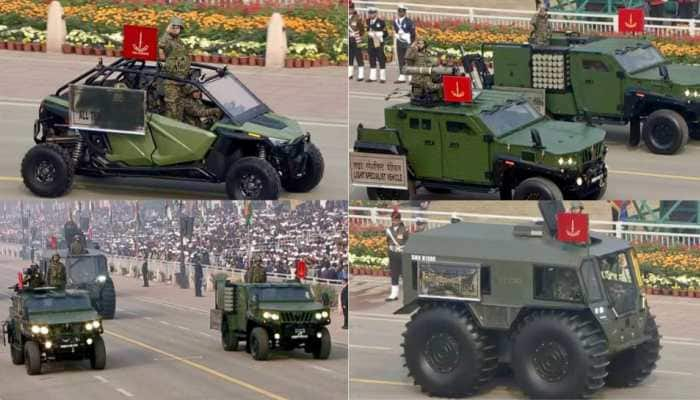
[
  {"x": 639, "y": 232},
  {"x": 587, "y": 23}
]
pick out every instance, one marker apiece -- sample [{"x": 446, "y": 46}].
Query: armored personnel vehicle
[
  {"x": 608, "y": 80},
  {"x": 499, "y": 142},
  {"x": 109, "y": 121},
  {"x": 87, "y": 271},
  {"x": 269, "y": 317},
  {"x": 566, "y": 318},
  {"x": 47, "y": 325}
]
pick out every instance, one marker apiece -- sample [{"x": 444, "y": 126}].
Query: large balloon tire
[{"x": 631, "y": 367}]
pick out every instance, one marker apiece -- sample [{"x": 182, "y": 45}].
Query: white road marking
[
  {"x": 679, "y": 343},
  {"x": 172, "y": 305},
  {"x": 101, "y": 378},
  {"x": 661, "y": 371},
  {"x": 148, "y": 318},
  {"x": 681, "y": 339},
  {"x": 322, "y": 369},
  {"x": 378, "y": 319},
  {"x": 124, "y": 392},
  {"x": 327, "y": 124},
  {"x": 13, "y": 104},
  {"x": 184, "y": 328},
  {"x": 205, "y": 334},
  {"x": 358, "y": 346},
  {"x": 127, "y": 312},
  {"x": 164, "y": 322}
]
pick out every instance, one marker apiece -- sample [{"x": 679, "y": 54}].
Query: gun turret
[{"x": 433, "y": 71}]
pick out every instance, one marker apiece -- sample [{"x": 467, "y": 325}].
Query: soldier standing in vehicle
[
  {"x": 57, "y": 273},
  {"x": 177, "y": 64},
  {"x": 356, "y": 30},
  {"x": 76, "y": 247},
  {"x": 396, "y": 237},
  {"x": 422, "y": 86},
  {"x": 198, "y": 276},
  {"x": 405, "y": 32},
  {"x": 376, "y": 37},
  {"x": 194, "y": 109},
  {"x": 541, "y": 32},
  {"x": 256, "y": 272},
  {"x": 32, "y": 277},
  {"x": 144, "y": 270}
]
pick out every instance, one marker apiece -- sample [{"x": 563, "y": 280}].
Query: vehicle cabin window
[
  {"x": 485, "y": 280},
  {"x": 595, "y": 65},
  {"x": 590, "y": 280},
  {"x": 426, "y": 124},
  {"x": 556, "y": 284},
  {"x": 456, "y": 127},
  {"x": 414, "y": 123},
  {"x": 420, "y": 123}
]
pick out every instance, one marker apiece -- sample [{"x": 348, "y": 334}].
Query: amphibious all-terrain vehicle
[
  {"x": 566, "y": 318},
  {"x": 46, "y": 324},
  {"x": 270, "y": 316},
  {"x": 109, "y": 121}
]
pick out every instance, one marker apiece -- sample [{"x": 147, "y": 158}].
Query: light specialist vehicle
[
  {"x": 47, "y": 325},
  {"x": 497, "y": 143},
  {"x": 608, "y": 80},
  {"x": 87, "y": 271},
  {"x": 109, "y": 121},
  {"x": 566, "y": 318},
  {"x": 269, "y": 317}
]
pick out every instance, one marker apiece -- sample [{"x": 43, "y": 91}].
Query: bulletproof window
[
  {"x": 594, "y": 65},
  {"x": 426, "y": 124},
  {"x": 485, "y": 280},
  {"x": 449, "y": 280},
  {"x": 457, "y": 127},
  {"x": 590, "y": 281},
  {"x": 414, "y": 123},
  {"x": 556, "y": 284},
  {"x": 414, "y": 274}
]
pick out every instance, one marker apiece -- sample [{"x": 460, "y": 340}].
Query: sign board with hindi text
[
  {"x": 106, "y": 109},
  {"x": 386, "y": 171}
]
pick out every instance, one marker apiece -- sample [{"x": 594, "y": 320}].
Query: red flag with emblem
[
  {"x": 140, "y": 42},
  {"x": 630, "y": 20},
  {"x": 572, "y": 227},
  {"x": 457, "y": 89}
]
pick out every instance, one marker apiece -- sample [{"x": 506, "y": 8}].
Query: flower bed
[{"x": 230, "y": 35}]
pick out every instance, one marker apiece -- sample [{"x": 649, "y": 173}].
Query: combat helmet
[{"x": 176, "y": 21}]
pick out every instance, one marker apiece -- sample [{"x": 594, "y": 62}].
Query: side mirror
[{"x": 536, "y": 139}]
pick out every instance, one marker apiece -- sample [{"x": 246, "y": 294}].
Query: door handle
[
  {"x": 454, "y": 145},
  {"x": 429, "y": 143}
]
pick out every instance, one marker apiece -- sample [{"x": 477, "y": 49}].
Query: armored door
[
  {"x": 597, "y": 82},
  {"x": 420, "y": 135},
  {"x": 465, "y": 154}
]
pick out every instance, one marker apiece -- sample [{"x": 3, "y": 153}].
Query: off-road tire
[
  {"x": 259, "y": 344},
  {"x": 17, "y": 355},
  {"x": 313, "y": 172},
  {"x": 107, "y": 302},
  {"x": 32, "y": 357},
  {"x": 632, "y": 366},
  {"x": 229, "y": 341},
  {"x": 537, "y": 188},
  {"x": 98, "y": 357},
  {"x": 322, "y": 349},
  {"x": 266, "y": 173},
  {"x": 598, "y": 193},
  {"x": 456, "y": 340},
  {"x": 675, "y": 127},
  {"x": 392, "y": 194},
  {"x": 559, "y": 355},
  {"x": 63, "y": 166}
]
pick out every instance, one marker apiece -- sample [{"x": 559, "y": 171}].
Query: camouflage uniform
[
  {"x": 256, "y": 273},
  {"x": 76, "y": 247},
  {"x": 422, "y": 85},
  {"x": 177, "y": 63},
  {"x": 194, "y": 110},
  {"x": 32, "y": 277},
  {"x": 541, "y": 33},
  {"x": 57, "y": 273}
]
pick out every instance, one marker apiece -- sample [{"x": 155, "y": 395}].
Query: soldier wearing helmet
[
  {"x": 194, "y": 109},
  {"x": 256, "y": 272},
  {"x": 56, "y": 273},
  {"x": 177, "y": 64}
]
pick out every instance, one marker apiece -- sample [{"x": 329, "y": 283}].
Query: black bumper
[
  {"x": 292, "y": 157},
  {"x": 594, "y": 177}
]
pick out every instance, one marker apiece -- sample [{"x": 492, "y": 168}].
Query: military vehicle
[
  {"x": 498, "y": 142},
  {"x": 109, "y": 122},
  {"x": 46, "y": 324},
  {"x": 270, "y": 316},
  {"x": 87, "y": 271},
  {"x": 566, "y": 318},
  {"x": 608, "y": 80}
]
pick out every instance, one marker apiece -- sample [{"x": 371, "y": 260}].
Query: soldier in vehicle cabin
[
  {"x": 541, "y": 32},
  {"x": 256, "y": 272},
  {"x": 56, "y": 275},
  {"x": 405, "y": 32},
  {"x": 396, "y": 237},
  {"x": 194, "y": 109},
  {"x": 32, "y": 277},
  {"x": 376, "y": 38},
  {"x": 356, "y": 30},
  {"x": 76, "y": 248},
  {"x": 422, "y": 86},
  {"x": 177, "y": 63}
]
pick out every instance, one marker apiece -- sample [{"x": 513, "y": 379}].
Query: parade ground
[
  {"x": 377, "y": 372},
  {"x": 314, "y": 97},
  {"x": 159, "y": 346}
]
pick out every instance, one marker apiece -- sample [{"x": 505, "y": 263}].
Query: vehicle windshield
[
  {"x": 85, "y": 269},
  {"x": 235, "y": 98},
  {"x": 284, "y": 294},
  {"x": 639, "y": 59},
  {"x": 618, "y": 275},
  {"x": 510, "y": 117},
  {"x": 48, "y": 303}
]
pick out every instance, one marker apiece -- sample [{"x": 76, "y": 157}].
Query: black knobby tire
[
  {"x": 446, "y": 353},
  {"x": 107, "y": 302},
  {"x": 252, "y": 178},
  {"x": 632, "y": 366},
  {"x": 16, "y": 354},
  {"x": 559, "y": 355},
  {"x": 392, "y": 194},
  {"x": 665, "y": 132},
  {"x": 47, "y": 170},
  {"x": 598, "y": 193},
  {"x": 259, "y": 344},
  {"x": 32, "y": 357},
  {"x": 537, "y": 188},
  {"x": 312, "y": 175},
  {"x": 98, "y": 357},
  {"x": 322, "y": 350},
  {"x": 229, "y": 340}
]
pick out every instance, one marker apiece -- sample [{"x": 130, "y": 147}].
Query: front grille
[
  {"x": 66, "y": 329},
  {"x": 296, "y": 317},
  {"x": 587, "y": 155}
]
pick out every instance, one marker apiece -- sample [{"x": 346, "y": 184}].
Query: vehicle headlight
[
  {"x": 695, "y": 93},
  {"x": 275, "y": 317},
  {"x": 687, "y": 93},
  {"x": 278, "y": 142},
  {"x": 318, "y": 315},
  {"x": 95, "y": 324},
  {"x": 101, "y": 279},
  {"x": 267, "y": 315},
  {"x": 579, "y": 181},
  {"x": 44, "y": 330},
  {"x": 561, "y": 161},
  {"x": 271, "y": 315},
  {"x": 48, "y": 344},
  {"x": 571, "y": 161},
  {"x": 88, "y": 326},
  {"x": 36, "y": 329},
  {"x": 324, "y": 314}
]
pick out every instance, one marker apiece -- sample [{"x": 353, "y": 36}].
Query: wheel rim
[
  {"x": 251, "y": 185},
  {"x": 45, "y": 172},
  {"x": 533, "y": 196},
  {"x": 663, "y": 134},
  {"x": 551, "y": 361},
  {"x": 442, "y": 352}
]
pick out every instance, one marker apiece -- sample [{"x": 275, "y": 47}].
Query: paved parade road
[
  {"x": 634, "y": 173},
  {"x": 159, "y": 347},
  {"x": 376, "y": 365},
  {"x": 315, "y": 97}
]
